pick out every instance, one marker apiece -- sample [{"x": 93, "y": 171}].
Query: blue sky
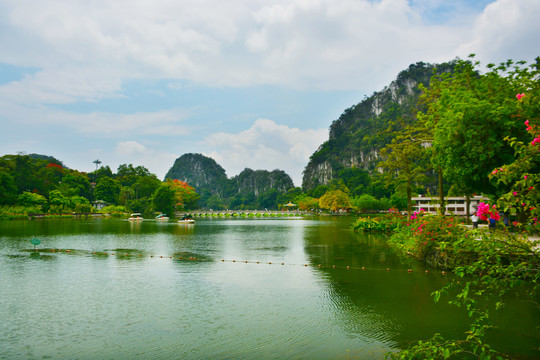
[{"x": 250, "y": 83}]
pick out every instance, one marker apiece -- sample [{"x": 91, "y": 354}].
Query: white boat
[
  {"x": 136, "y": 217},
  {"x": 162, "y": 217},
  {"x": 186, "y": 220}
]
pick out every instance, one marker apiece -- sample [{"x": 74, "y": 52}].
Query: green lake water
[{"x": 114, "y": 289}]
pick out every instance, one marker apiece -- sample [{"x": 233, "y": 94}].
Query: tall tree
[
  {"x": 405, "y": 164},
  {"x": 469, "y": 114}
]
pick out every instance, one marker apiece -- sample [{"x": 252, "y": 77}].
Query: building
[{"x": 455, "y": 205}]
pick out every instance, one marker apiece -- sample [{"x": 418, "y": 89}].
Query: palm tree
[{"x": 97, "y": 162}]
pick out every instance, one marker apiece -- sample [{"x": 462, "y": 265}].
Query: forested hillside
[
  {"x": 356, "y": 137},
  {"x": 250, "y": 189}
]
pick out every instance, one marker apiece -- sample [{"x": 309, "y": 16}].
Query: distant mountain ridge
[
  {"x": 363, "y": 129},
  {"x": 210, "y": 180}
]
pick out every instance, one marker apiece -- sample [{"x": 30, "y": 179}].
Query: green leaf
[{"x": 446, "y": 353}]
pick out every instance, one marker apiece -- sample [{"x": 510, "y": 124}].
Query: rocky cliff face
[
  {"x": 209, "y": 178},
  {"x": 260, "y": 181},
  {"x": 197, "y": 170},
  {"x": 363, "y": 129}
]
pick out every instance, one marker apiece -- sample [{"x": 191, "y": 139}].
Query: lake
[{"x": 238, "y": 288}]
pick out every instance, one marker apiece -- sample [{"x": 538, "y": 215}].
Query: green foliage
[
  {"x": 366, "y": 203},
  {"x": 488, "y": 266},
  {"x": 114, "y": 210},
  {"x": 381, "y": 224},
  {"x": 368, "y": 126},
  {"x": 17, "y": 211},
  {"x": 8, "y": 190},
  {"x": 164, "y": 199},
  {"x": 475, "y": 111},
  {"x": 405, "y": 163},
  {"x": 107, "y": 189},
  {"x": 521, "y": 177},
  {"x": 29, "y": 199},
  {"x": 335, "y": 200},
  {"x": 75, "y": 183},
  {"x": 306, "y": 203},
  {"x": 427, "y": 237}
]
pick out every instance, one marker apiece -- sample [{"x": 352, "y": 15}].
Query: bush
[
  {"x": 114, "y": 210},
  {"x": 383, "y": 224}
]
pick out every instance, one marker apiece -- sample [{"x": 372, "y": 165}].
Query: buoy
[
  {"x": 443, "y": 272},
  {"x": 222, "y": 260},
  {"x": 161, "y": 257},
  {"x": 410, "y": 270},
  {"x": 246, "y": 261},
  {"x": 363, "y": 268},
  {"x": 348, "y": 267},
  {"x": 333, "y": 266},
  {"x": 427, "y": 271},
  {"x": 320, "y": 265},
  {"x": 232, "y": 261},
  {"x": 305, "y": 265},
  {"x": 269, "y": 263},
  {"x": 282, "y": 263},
  {"x": 387, "y": 269},
  {"x": 257, "y": 262}
]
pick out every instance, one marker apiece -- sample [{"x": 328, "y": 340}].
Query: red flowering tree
[
  {"x": 185, "y": 196},
  {"x": 522, "y": 175}
]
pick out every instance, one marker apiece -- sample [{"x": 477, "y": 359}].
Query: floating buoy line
[{"x": 120, "y": 253}]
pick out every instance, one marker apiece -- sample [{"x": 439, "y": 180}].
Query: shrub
[{"x": 384, "y": 224}]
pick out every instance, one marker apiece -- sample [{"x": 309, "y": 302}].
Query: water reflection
[{"x": 165, "y": 293}]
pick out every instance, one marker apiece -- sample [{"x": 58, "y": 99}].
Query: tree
[
  {"x": 104, "y": 171},
  {"x": 8, "y": 190},
  {"x": 522, "y": 175},
  {"x": 107, "y": 189},
  {"x": 365, "y": 203},
  {"x": 75, "y": 183},
  {"x": 58, "y": 202},
  {"x": 185, "y": 196},
  {"x": 335, "y": 200},
  {"x": 164, "y": 199},
  {"x": 405, "y": 165},
  {"x": 469, "y": 114},
  {"x": 29, "y": 199},
  {"x": 268, "y": 199}
]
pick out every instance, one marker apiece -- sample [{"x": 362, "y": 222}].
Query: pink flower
[
  {"x": 519, "y": 96},
  {"x": 514, "y": 193},
  {"x": 525, "y": 176}
]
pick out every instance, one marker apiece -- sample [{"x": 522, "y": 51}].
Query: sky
[{"x": 251, "y": 83}]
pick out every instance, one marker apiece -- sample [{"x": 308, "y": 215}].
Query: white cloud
[
  {"x": 133, "y": 152},
  {"x": 267, "y": 146},
  {"x": 129, "y": 148},
  {"x": 100, "y": 124},
  {"x": 85, "y": 50},
  {"x": 505, "y": 30}
]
